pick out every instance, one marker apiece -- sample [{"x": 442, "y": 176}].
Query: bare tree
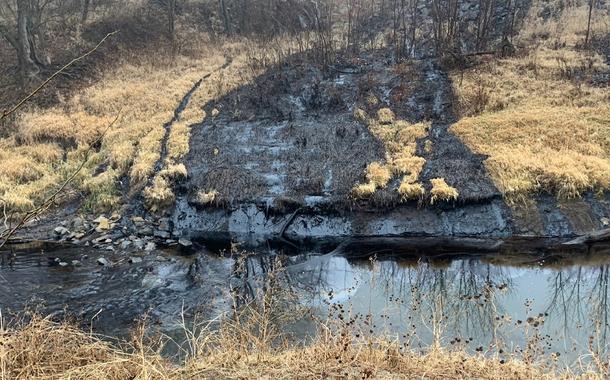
[
  {"x": 19, "y": 23},
  {"x": 587, "y": 36},
  {"x": 225, "y": 16},
  {"x": 445, "y": 24},
  {"x": 84, "y": 14},
  {"x": 484, "y": 18}
]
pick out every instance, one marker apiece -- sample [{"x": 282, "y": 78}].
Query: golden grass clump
[
  {"x": 441, "y": 191},
  {"x": 360, "y": 115},
  {"x": 385, "y": 116},
  {"x": 400, "y": 141},
  {"x": 409, "y": 190},
  {"x": 207, "y": 197},
  {"x": 378, "y": 174},
  {"x": 539, "y": 118},
  {"x": 363, "y": 190},
  {"x": 159, "y": 194}
]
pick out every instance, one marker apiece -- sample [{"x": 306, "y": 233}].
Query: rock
[
  {"x": 137, "y": 220},
  {"x": 102, "y": 238},
  {"x": 162, "y": 234},
  {"x": 185, "y": 242},
  {"x": 75, "y": 263},
  {"x": 99, "y": 219},
  {"x": 103, "y": 261},
  {"x": 125, "y": 244},
  {"x": 146, "y": 231},
  {"x": 164, "y": 224},
  {"x": 63, "y": 264},
  {"x": 103, "y": 224},
  {"x": 78, "y": 223},
  {"x": 150, "y": 246},
  {"x": 109, "y": 248},
  {"x": 61, "y": 231},
  {"x": 139, "y": 244},
  {"x": 135, "y": 260}
]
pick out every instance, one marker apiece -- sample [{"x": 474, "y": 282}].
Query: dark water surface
[{"x": 544, "y": 303}]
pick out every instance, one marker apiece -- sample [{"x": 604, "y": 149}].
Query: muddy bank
[
  {"x": 283, "y": 154},
  {"x": 493, "y": 219}
]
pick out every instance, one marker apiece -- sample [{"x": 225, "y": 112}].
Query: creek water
[{"x": 553, "y": 304}]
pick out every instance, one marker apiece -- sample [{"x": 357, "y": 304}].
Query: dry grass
[
  {"x": 411, "y": 190},
  {"x": 159, "y": 196},
  {"x": 248, "y": 347},
  {"x": 145, "y": 91},
  {"x": 441, "y": 191},
  {"x": 207, "y": 197},
  {"x": 400, "y": 141},
  {"x": 539, "y": 116}
]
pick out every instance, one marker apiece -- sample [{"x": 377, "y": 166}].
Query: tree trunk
[
  {"x": 84, "y": 15},
  {"x": 225, "y": 16},
  {"x": 591, "y": 4},
  {"x": 171, "y": 19},
  {"x": 29, "y": 66}
]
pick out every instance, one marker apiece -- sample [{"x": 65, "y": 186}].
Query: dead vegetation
[
  {"x": 400, "y": 139},
  {"x": 248, "y": 346},
  {"x": 542, "y": 116}
]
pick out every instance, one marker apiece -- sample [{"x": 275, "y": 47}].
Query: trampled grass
[{"x": 540, "y": 116}]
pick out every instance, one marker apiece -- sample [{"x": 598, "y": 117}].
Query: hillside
[{"x": 496, "y": 125}]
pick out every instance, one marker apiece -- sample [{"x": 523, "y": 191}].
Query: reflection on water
[
  {"x": 534, "y": 309},
  {"x": 549, "y": 303}
]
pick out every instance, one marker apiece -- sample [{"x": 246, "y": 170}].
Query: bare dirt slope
[{"x": 283, "y": 154}]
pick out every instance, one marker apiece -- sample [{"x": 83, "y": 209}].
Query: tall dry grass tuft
[{"x": 42, "y": 349}]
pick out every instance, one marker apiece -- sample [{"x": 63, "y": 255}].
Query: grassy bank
[
  {"x": 542, "y": 116},
  {"x": 48, "y": 144},
  {"x": 41, "y": 349}
]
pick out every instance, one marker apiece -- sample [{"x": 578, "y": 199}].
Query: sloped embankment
[{"x": 301, "y": 153}]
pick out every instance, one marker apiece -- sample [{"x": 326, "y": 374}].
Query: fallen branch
[
  {"x": 43, "y": 84},
  {"x": 49, "y": 201}
]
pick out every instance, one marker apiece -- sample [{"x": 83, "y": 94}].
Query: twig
[
  {"x": 289, "y": 222},
  {"x": 24, "y": 100},
  {"x": 6, "y": 235}
]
